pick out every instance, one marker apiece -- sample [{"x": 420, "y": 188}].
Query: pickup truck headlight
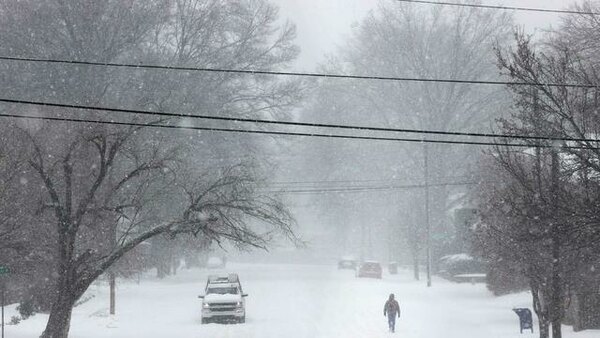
[
  {"x": 239, "y": 304},
  {"x": 205, "y": 305}
]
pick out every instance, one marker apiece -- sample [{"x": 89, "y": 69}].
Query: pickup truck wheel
[
  {"x": 242, "y": 320},
  {"x": 204, "y": 320}
]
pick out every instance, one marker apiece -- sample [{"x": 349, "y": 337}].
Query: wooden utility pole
[
  {"x": 112, "y": 283},
  {"x": 3, "y": 272},
  {"x": 557, "y": 301},
  {"x": 111, "y": 275},
  {"x": 362, "y": 241},
  {"x": 369, "y": 243},
  {"x": 427, "y": 223},
  {"x": 3, "y": 301}
]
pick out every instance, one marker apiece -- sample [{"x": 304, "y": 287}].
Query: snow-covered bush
[
  {"x": 26, "y": 308},
  {"x": 14, "y": 320},
  {"x": 452, "y": 265}
]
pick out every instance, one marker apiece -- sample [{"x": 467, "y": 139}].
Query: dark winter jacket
[{"x": 391, "y": 308}]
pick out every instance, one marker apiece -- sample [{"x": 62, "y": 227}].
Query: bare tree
[
  {"x": 108, "y": 174},
  {"x": 518, "y": 228},
  {"x": 542, "y": 218},
  {"x": 102, "y": 190},
  {"x": 404, "y": 40}
]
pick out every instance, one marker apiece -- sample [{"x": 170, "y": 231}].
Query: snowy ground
[{"x": 296, "y": 301}]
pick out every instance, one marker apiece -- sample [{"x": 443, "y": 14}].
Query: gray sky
[{"x": 324, "y": 24}]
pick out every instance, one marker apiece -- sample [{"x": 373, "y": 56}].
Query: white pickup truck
[{"x": 223, "y": 301}]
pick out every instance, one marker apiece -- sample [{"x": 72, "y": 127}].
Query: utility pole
[
  {"x": 427, "y": 223},
  {"x": 112, "y": 283},
  {"x": 362, "y": 241},
  {"x": 556, "y": 283},
  {"x": 111, "y": 274},
  {"x": 3, "y": 301},
  {"x": 369, "y": 243},
  {"x": 3, "y": 272}
]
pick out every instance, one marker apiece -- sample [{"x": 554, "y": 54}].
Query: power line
[
  {"x": 298, "y": 124},
  {"x": 367, "y": 189},
  {"x": 278, "y": 133},
  {"x": 297, "y": 74},
  {"x": 294, "y": 184},
  {"x": 328, "y": 182},
  {"x": 359, "y": 189},
  {"x": 528, "y": 9}
]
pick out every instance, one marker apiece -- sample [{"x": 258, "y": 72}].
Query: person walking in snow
[{"x": 391, "y": 309}]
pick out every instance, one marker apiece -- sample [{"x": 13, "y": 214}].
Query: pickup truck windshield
[{"x": 223, "y": 291}]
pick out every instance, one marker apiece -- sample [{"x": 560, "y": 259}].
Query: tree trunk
[
  {"x": 413, "y": 245},
  {"x": 174, "y": 266},
  {"x": 416, "y": 265},
  {"x": 544, "y": 329},
  {"x": 556, "y": 329},
  {"x": 60, "y": 316},
  {"x": 557, "y": 306},
  {"x": 540, "y": 310},
  {"x": 161, "y": 271}
]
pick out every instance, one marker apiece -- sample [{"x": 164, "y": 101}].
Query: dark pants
[{"x": 392, "y": 321}]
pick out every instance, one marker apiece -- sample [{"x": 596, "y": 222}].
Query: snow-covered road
[{"x": 293, "y": 301}]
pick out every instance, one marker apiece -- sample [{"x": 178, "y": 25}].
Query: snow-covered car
[
  {"x": 215, "y": 262},
  {"x": 371, "y": 269},
  {"x": 462, "y": 268},
  {"x": 347, "y": 263},
  {"x": 223, "y": 302}
]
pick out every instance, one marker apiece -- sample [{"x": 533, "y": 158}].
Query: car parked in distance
[
  {"x": 370, "y": 269},
  {"x": 347, "y": 263}
]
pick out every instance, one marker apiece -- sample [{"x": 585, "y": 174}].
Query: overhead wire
[
  {"x": 320, "y": 75},
  {"x": 319, "y": 125},
  {"x": 368, "y": 189},
  {"x": 296, "y": 74},
  {"x": 511, "y": 8},
  {"x": 328, "y": 183},
  {"x": 298, "y": 124},
  {"x": 283, "y": 133},
  {"x": 267, "y": 132}
]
